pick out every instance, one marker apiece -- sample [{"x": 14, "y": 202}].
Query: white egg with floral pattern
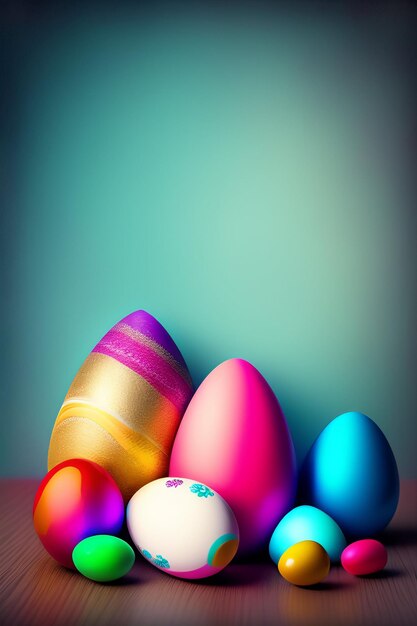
[{"x": 183, "y": 527}]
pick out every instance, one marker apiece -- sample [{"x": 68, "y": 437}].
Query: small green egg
[{"x": 103, "y": 558}]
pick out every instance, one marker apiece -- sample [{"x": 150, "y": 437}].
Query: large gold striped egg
[{"x": 125, "y": 404}]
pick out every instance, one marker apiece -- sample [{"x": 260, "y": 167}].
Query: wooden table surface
[{"x": 35, "y": 590}]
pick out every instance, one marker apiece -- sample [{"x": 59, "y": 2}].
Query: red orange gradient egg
[{"x": 75, "y": 500}]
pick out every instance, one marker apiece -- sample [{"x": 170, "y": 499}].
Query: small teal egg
[
  {"x": 307, "y": 523},
  {"x": 350, "y": 472}
]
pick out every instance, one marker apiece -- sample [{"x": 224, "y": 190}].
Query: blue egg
[
  {"x": 350, "y": 473},
  {"x": 307, "y": 523}
]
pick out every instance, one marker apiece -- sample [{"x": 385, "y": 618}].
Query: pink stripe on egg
[{"x": 148, "y": 364}]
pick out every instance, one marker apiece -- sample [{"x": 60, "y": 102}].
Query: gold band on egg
[
  {"x": 116, "y": 389},
  {"x": 125, "y": 436},
  {"x": 131, "y": 459}
]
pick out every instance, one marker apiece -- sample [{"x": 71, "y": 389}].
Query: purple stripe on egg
[
  {"x": 147, "y": 363},
  {"x": 149, "y": 326}
]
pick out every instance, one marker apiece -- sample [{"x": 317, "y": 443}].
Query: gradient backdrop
[{"x": 243, "y": 174}]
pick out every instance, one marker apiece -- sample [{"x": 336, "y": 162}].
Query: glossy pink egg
[
  {"x": 234, "y": 438},
  {"x": 365, "y": 556}
]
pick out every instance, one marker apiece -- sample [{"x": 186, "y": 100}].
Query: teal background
[{"x": 243, "y": 176}]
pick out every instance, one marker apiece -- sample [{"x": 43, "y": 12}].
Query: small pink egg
[{"x": 365, "y": 556}]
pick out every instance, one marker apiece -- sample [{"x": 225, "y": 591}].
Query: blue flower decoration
[
  {"x": 160, "y": 561},
  {"x": 201, "y": 490}
]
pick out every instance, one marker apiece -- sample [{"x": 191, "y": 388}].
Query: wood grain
[{"x": 35, "y": 590}]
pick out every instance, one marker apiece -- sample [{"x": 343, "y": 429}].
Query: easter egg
[
  {"x": 305, "y": 563},
  {"x": 125, "y": 403},
  {"x": 234, "y": 437},
  {"x": 103, "y": 558},
  {"x": 365, "y": 556},
  {"x": 350, "y": 472},
  {"x": 307, "y": 523},
  {"x": 75, "y": 500},
  {"x": 183, "y": 527}
]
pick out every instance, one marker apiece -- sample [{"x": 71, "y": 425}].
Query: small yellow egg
[{"x": 305, "y": 563}]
